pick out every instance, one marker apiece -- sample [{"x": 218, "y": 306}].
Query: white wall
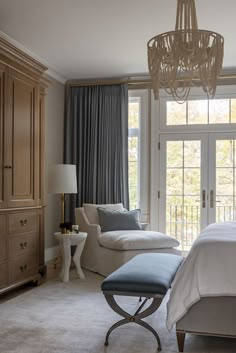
[{"x": 54, "y": 130}]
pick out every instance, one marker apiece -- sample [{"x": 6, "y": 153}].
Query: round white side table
[{"x": 66, "y": 241}]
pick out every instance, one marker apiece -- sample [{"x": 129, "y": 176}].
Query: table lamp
[{"x": 62, "y": 180}]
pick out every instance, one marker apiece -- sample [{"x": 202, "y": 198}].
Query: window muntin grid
[{"x": 203, "y": 112}]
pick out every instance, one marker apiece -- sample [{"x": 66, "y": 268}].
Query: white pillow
[{"x": 92, "y": 214}]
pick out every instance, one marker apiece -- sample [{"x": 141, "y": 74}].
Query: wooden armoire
[{"x": 22, "y": 100}]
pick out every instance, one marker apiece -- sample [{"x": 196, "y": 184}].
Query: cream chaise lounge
[{"x": 104, "y": 252}]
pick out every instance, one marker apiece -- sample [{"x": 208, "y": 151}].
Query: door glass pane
[
  {"x": 183, "y": 183},
  {"x": 174, "y": 184},
  {"x": 224, "y": 154},
  {"x": 192, "y": 156},
  {"x": 224, "y": 181},
  {"x": 174, "y": 156},
  {"x": 225, "y": 210},
  {"x": 224, "y": 201},
  {"x": 192, "y": 181}
]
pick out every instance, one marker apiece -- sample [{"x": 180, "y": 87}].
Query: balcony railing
[{"x": 183, "y": 222}]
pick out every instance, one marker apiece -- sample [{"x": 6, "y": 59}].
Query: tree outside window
[{"x": 133, "y": 150}]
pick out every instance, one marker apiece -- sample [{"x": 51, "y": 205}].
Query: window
[
  {"x": 193, "y": 112},
  {"x": 138, "y": 151},
  {"x": 133, "y": 151}
]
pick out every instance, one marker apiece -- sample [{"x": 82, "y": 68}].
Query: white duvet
[{"x": 209, "y": 270}]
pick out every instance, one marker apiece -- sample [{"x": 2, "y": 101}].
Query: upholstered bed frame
[{"x": 212, "y": 316}]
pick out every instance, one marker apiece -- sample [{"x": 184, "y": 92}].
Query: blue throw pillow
[{"x": 115, "y": 220}]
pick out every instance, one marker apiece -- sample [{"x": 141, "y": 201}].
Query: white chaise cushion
[
  {"x": 92, "y": 213},
  {"x": 136, "y": 240}
]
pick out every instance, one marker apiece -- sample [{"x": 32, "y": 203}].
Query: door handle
[
  {"x": 212, "y": 201},
  {"x": 203, "y": 199}
]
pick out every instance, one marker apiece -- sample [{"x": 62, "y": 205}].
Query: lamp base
[
  {"x": 66, "y": 227},
  {"x": 63, "y": 228},
  {"x": 63, "y": 231}
]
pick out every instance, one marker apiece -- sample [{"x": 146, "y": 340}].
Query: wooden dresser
[{"x": 22, "y": 100}]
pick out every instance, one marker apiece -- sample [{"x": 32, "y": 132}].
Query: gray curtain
[{"x": 96, "y": 140}]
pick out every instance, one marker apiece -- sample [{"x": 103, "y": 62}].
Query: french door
[{"x": 197, "y": 183}]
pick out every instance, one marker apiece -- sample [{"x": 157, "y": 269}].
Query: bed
[{"x": 203, "y": 294}]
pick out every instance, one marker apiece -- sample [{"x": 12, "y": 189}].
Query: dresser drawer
[
  {"x": 3, "y": 224},
  {"x": 23, "y": 267},
  {"x": 3, "y": 275},
  {"x": 3, "y": 250},
  {"x": 20, "y": 246},
  {"x": 22, "y": 222}
]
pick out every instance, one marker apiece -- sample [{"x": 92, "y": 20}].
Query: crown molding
[{"x": 51, "y": 71}]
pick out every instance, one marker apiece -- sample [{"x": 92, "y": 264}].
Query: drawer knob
[
  {"x": 23, "y": 268},
  {"x": 23, "y": 245},
  {"x": 23, "y": 222}
]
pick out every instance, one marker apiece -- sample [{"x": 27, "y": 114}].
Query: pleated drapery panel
[{"x": 96, "y": 140}]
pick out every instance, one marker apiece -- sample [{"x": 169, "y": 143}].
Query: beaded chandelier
[{"x": 178, "y": 58}]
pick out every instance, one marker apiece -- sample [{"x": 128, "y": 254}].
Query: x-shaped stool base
[{"x": 136, "y": 318}]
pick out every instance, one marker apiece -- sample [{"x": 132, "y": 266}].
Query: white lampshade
[{"x": 62, "y": 179}]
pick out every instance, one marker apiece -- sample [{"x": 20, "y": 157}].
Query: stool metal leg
[
  {"x": 113, "y": 327},
  {"x": 136, "y": 318},
  {"x": 151, "y": 329}
]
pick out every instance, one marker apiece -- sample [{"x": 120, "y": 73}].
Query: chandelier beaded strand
[{"x": 185, "y": 55}]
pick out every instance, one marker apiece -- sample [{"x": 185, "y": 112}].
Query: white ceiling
[{"x": 104, "y": 38}]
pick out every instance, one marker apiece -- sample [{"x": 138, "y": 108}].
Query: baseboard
[{"x": 51, "y": 253}]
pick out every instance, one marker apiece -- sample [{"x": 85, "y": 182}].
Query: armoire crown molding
[{"x": 30, "y": 57}]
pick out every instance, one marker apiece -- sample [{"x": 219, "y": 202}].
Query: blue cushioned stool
[{"x": 148, "y": 276}]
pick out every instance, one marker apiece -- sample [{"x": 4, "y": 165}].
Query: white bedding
[{"x": 209, "y": 270}]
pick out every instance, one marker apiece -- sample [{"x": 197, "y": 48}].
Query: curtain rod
[
  {"x": 106, "y": 82},
  {"x": 131, "y": 81}
]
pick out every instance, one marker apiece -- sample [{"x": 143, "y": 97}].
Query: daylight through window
[{"x": 133, "y": 151}]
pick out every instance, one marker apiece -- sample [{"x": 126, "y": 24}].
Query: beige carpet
[{"x": 74, "y": 318}]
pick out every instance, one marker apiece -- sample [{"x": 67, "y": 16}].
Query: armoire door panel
[
  {"x": 3, "y": 250},
  {"x": 3, "y": 275},
  {"x": 23, "y": 142},
  {"x": 3, "y": 224},
  {"x": 21, "y": 171},
  {"x": 2, "y": 117}
]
